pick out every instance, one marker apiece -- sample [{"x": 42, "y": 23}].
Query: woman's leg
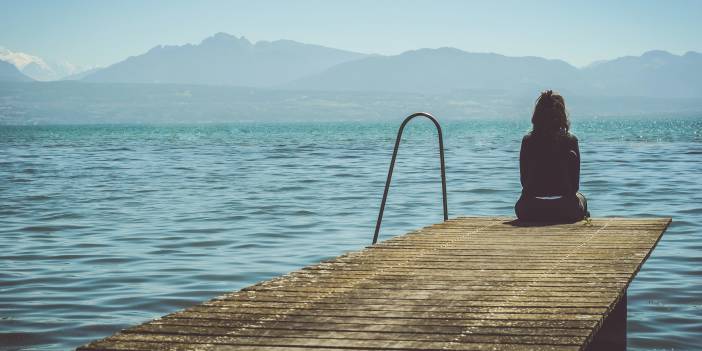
[
  {"x": 528, "y": 209},
  {"x": 566, "y": 209},
  {"x": 519, "y": 209},
  {"x": 583, "y": 204},
  {"x": 535, "y": 210}
]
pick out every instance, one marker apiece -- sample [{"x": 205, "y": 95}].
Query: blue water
[{"x": 103, "y": 227}]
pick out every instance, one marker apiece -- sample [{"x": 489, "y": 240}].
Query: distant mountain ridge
[
  {"x": 224, "y": 59},
  {"x": 655, "y": 73},
  {"x": 10, "y": 73},
  {"x": 37, "y": 68},
  {"x": 444, "y": 70}
]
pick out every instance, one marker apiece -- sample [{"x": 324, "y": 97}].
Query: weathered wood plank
[
  {"x": 270, "y": 346},
  {"x": 465, "y": 284},
  {"x": 418, "y": 324}
]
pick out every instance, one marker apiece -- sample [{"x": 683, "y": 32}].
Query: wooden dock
[{"x": 464, "y": 284}]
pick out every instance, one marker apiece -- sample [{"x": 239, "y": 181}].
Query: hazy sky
[{"x": 100, "y": 33}]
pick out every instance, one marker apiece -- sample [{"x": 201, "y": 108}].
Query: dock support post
[{"x": 612, "y": 334}]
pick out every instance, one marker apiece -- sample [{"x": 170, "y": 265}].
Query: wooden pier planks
[{"x": 464, "y": 284}]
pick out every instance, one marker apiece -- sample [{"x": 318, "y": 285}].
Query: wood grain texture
[{"x": 479, "y": 283}]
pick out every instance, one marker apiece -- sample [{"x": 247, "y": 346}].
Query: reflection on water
[{"x": 104, "y": 227}]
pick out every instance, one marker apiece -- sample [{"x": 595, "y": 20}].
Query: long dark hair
[{"x": 550, "y": 116}]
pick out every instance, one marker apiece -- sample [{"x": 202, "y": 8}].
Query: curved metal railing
[{"x": 392, "y": 165}]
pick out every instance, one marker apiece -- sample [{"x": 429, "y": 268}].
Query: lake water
[{"x": 103, "y": 227}]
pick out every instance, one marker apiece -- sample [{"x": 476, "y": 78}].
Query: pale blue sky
[{"x": 101, "y": 33}]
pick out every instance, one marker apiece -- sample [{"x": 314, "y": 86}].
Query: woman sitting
[{"x": 549, "y": 164}]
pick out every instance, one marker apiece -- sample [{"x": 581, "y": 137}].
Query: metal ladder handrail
[{"x": 392, "y": 165}]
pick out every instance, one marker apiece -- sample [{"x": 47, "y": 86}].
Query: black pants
[{"x": 565, "y": 209}]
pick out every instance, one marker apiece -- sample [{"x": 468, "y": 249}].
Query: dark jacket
[{"x": 549, "y": 166}]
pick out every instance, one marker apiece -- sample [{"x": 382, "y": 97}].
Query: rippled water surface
[{"x": 103, "y": 227}]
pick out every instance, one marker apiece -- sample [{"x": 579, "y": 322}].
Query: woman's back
[{"x": 549, "y": 166}]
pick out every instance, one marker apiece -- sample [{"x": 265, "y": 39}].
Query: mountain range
[
  {"x": 444, "y": 70},
  {"x": 224, "y": 59},
  {"x": 37, "y": 68},
  {"x": 655, "y": 74},
  {"x": 8, "y": 72}
]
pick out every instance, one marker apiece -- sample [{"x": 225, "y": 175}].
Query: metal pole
[{"x": 392, "y": 166}]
